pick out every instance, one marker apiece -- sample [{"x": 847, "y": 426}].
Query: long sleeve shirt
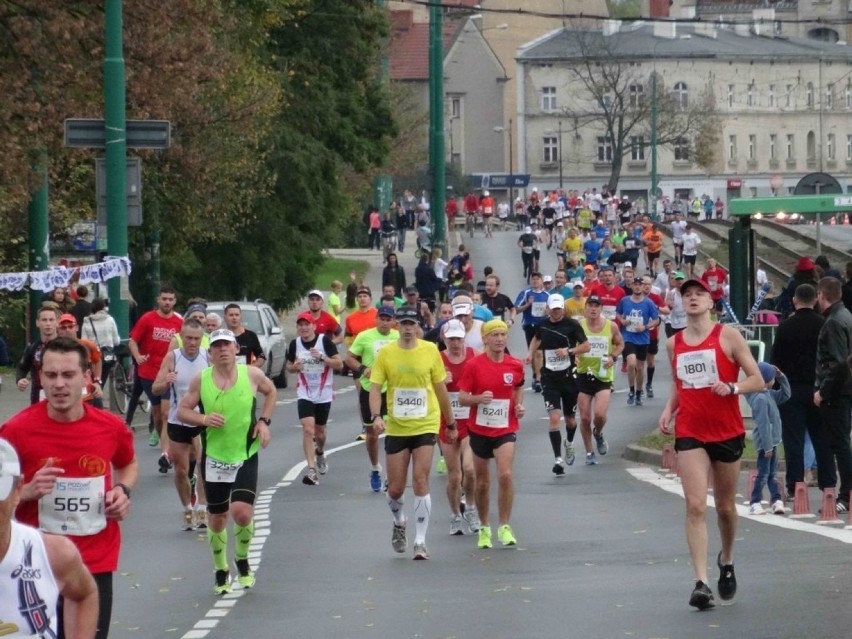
[{"x": 767, "y": 418}]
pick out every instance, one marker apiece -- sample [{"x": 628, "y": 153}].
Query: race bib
[
  {"x": 409, "y": 403},
  {"x": 634, "y": 324},
  {"x": 487, "y": 210},
  {"x": 74, "y": 507},
  {"x": 221, "y": 472},
  {"x": 313, "y": 366},
  {"x": 377, "y": 346},
  {"x": 493, "y": 415},
  {"x": 527, "y": 249},
  {"x": 608, "y": 312},
  {"x": 241, "y": 359},
  {"x": 459, "y": 411},
  {"x": 697, "y": 369},
  {"x": 555, "y": 362},
  {"x": 678, "y": 318},
  {"x": 539, "y": 309}
]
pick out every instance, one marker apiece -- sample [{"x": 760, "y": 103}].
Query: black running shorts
[
  {"x": 243, "y": 489},
  {"x": 727, "y": 451}
]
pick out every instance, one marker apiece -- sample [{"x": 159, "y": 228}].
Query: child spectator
[{"x": 767, "y": 436}]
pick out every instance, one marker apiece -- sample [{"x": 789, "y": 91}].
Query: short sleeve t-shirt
[
  {"x": 359, "y": 321},
  {"x": 250, "y": 348},
  {"x": 153, "y": 333},
  {"x": 637, "y": 314},
  {"x": 367, "y": 346},
  {"x": 553, "y": 336},
  {"x": 411, "y": 374},
  {"x": 501, "y": 378}
]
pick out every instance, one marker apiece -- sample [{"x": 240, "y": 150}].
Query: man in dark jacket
[
  {"x": 82, "y": 309},
  {"x": 794, "y": 353},
  {"x": 833, "y": 383}
]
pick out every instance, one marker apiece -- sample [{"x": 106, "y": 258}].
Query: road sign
[
  {"x": 505, "y": 181},
  {"x": 134, "y": 191},
  {"x": 83, "y": 133}
]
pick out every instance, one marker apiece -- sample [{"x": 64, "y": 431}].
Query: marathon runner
[
  {"x": 532, "y": 302},
  {"x": 638, "y": 315}
]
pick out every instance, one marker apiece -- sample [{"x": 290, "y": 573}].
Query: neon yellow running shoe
[
  {"x": 223, "y": 582},
  {"x": 245, "y": 576},
  {"x": 504, "y": 534},
  {"x": 441, "y": 466},
  {"x": 484, "y": 538}
]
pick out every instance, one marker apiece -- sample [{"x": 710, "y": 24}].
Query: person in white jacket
[{"x": 100, "y": 328}]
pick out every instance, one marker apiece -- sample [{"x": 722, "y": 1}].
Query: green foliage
[{"x": 624, "y": 8}]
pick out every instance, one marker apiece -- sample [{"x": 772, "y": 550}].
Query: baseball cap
[
  {"x": 196, "y": 308},
  {"x": 386, "y": 310},
  {"x": 628, "y": 264},
  {"x": 67, "y": 318},
  {"x": 316, "y": 293},
  {"x": 454, "y": 328},
  {"x": 556, "y": 301},
  {"x": 694, "y": 282},
  {"x": 411, "y": 290},
  {"x": 527, "y": 229},
  {"x": 10, "y": 469},
  {"x": 589, "y": 268},
  {"x": 678, "y": 275},
  {"x": 605, "y": 267},
  {"x": 594, "y": 299},
  {"x": 548, "y": 278},
  {"x": 407, "y": 313},
  {"x": 305, "y": 316},
  {"x": 462, "y": 305},
  {"x": 222, "y": 335},
  {"x": 364, "y": 289}
]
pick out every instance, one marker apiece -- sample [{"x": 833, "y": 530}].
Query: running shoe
[
  {"x": 591, "y": 460},
  {"x": 223, "y": 582},
  {"x": 154, "y": 439},
  {"x": 456, "y": 525},
  {"x": 201, "y": 518},
  {"x": 310, "y": 478},
  {"x": 702, "y": 596},
  {"x": 600, "y": 442},
  {"x": 638, "y": 398},
  {"x": 842, "y": 506},
  {"x": 756, "y": 509},
  {"x": 484, "y": 538},
  {"x": 778, "y": 507},
  {"x": 536, "y": 386},
  {"x": 471, "y": 516},
  {"x": 504, "y": 534},
  {"x": 727, "y": 583},
  {"x": 570, "y": 457},
  {"x": 188, "y": 520},
  {"x": 245, "y": 577},
  {"x": 322, "y": 465},
  {"x": 649, "y": 391},
  {"x": 398, "y": 538},
  {"x": 375, "y": 480},
  {"x": 441, "y": 466},
  {"x": 558, "y": 467},
  {"x": 631, "y": 399},
  {"x": 163, "y": 464},
  {"x": 362, "y": 436},
  {"x": 623, "y": 367},
  {"x": 420, "y": 552}
]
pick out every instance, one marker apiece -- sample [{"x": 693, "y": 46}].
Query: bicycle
[{"x": 121, "y": 384}]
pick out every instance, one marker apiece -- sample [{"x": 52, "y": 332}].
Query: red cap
[
  {"x": 305, "y": 316},
  {"x": 694, "y": 282},
  {"x": 67, "y": 318},
  {"x": 805, "y": 264}
]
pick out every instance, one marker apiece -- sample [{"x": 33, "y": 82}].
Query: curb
[{"x": 653, "y": 457}]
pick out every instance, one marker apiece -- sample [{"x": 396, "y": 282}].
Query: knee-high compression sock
[
  {"x": 570, "y": 432},
  {"x": 651, "y": 370},
  {"x": 422, "y": 510},
  {"x": 555, "y": 442},
  {"x": 395, "y": 506},
  {"x": 218, "y": 542},
  {"x": 242, "y": 538}
]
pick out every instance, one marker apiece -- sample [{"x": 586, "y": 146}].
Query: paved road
[{"x": 601, "y": 551}]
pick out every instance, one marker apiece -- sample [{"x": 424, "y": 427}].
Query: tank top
[
  {"x": 701, "y": 414},
  {"x": 233, "y": 442},
  {"x": 315, "y": 381},
  {"x": 186, "y": 370},
  {"x": 28, "y": 590},
  {"x": 591, "y": 363},
  {"x": 461, "y": 413}
]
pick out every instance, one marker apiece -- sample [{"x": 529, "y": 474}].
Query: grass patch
[
  {"x": 335, "y": 268},
  {"x": 656, "y": 440}
]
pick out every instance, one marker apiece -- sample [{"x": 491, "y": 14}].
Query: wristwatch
[
  {"x": 124, "y": 488},
  {"x": 265, "y": 420},
  {"x": 451, "y": 426},
  {"x": 374, "y": 417}
]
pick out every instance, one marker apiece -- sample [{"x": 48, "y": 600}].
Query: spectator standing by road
[
  {"x": 82, "y": 308},
  {"x": 394, "y": 275},
  {"x": 374, "y": 224},
  {"x": 100, "y": 328}
]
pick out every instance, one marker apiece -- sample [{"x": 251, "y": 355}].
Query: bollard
[
  {"x": 801, "y": 504},
  {"x": 668, "y": 454},
  {"x": 752, "y": 476},
  {"x": 828, "y": 512}
]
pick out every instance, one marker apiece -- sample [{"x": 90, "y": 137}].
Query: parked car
[{"x": 260, "y": 317}]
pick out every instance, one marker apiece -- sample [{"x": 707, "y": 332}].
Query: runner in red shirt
[
  {"x": 323, "y": 321},
  {"x": 715, "y": 277},
  {"x": 488, "y": 209},
  {"x": 452, "y": 210},
  {"x": 608, "y": 290},
  {"x": 457, "y": 453},
  {"x": 654, "y": 346},
  {"x": 492, "y": 384},
  {"x": 149, "y": 343},
  {"x": 74, "y": 454},
  {"x": 708, "y": 430}
]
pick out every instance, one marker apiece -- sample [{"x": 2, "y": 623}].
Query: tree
[{"x": 612, "y": 97}]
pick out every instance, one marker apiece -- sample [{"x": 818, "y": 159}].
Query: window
[
  {"x": 550, "y": 145},
  {"x": 771, "y": 95},
  {"x": 681, "y": 150},
  {"x": 809, "y": 95},
  {"x": 849, "y": 96},
  {"x": 811, "y": 146},
  {"x": 681, "y": 94},
  {"x": 773, "y": 143},
  {"x": 791, "y": 146},
  {"x": 829, "y": 96},
  {"x": 788, "y": 102},
  {"x": 730, "y": 96},
  {"x": 604, "y": 148},
  {"x": 830, "y": 146},
  {"x": 849, "y": 147},
  {"x": 637, "y": 95},
  {"x": 732, "y": 148},
  {"x": 455, "y": 108},
  {"x": 548, "y": 98},
  {"x": 750, "y": 95},
  {"x": 637, "y": 148},
  {"x": 752, "y": 148}
]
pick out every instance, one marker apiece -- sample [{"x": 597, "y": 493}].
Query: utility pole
[
  {"x": 116, "y": 156},
  {"x": 437, "y": 161},
  {"x": 511, "y": 171},
  {"x": 654, "y": 177},
  {"x": 383, "y": 183},
  {"x": 39, "y": 253}
]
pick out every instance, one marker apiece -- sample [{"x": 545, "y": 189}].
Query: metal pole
[
  {"x": 654, "y": 176},
  {"x": 511, "y": 171},
  {"x": 383, "y": 183},
  {"x": 39, "y": 251},
  {"x": 817, "y": 186},
  {"x": 116, "y": 156},
  {"x": 436, "y": 147},
  {"x": 560, "y": 154}
]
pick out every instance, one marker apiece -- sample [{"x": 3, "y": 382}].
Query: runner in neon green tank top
[
  {"x": 226, "y": 392},
  {"x": 595, "y": 375}
]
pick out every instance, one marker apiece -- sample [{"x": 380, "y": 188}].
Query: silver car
[{"x": 260, "y": 317}]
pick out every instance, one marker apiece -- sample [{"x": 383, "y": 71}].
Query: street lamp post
[
  {"x": 559, "y": 151},
  {"x": 502, "y": 129}
]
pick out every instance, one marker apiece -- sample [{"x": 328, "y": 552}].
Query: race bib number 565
[{"x": 74, "y": 507}]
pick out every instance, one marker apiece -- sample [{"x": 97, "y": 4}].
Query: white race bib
[
  {"x": 608, "y": 312},
  {"x": 697, "y": 369},
  {"x": 313, "y": 366},
  {"x": 377, "y": 346},
  {"x": 221, "y": 472},
  {"x": 74, "y": 507},
  {"x": 678, "y": 318},
  {"x": 554, "y": 362},
  {"x": 409, "y": 403},
  {"x": 493, "y": 415},
  {"x": 241, "y": 359},
  {"x": 539, "y": 309},
  {"x": 459, "y": 411}
]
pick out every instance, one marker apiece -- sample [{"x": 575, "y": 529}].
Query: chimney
[
  {"x": 665, "y": 30},
  {"x": 610, "y": 27},
  {"x": 764, "y": 21}
]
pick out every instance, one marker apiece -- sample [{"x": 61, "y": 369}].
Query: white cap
[
  {"x": 10, "y": 469},
  {"x": 559, "y": 224},
  {"x": 547, "y": 278},
  {"x": 317, "y": 293},
  {"x": 627, "y": 264},
  {"x": 555, "y": 301},
  {"x": 527, "y": 229},
  {"x": 222, "y": 335},
  {"x": 453, "y": 328},
  {"x": 485, "y": 193}
]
